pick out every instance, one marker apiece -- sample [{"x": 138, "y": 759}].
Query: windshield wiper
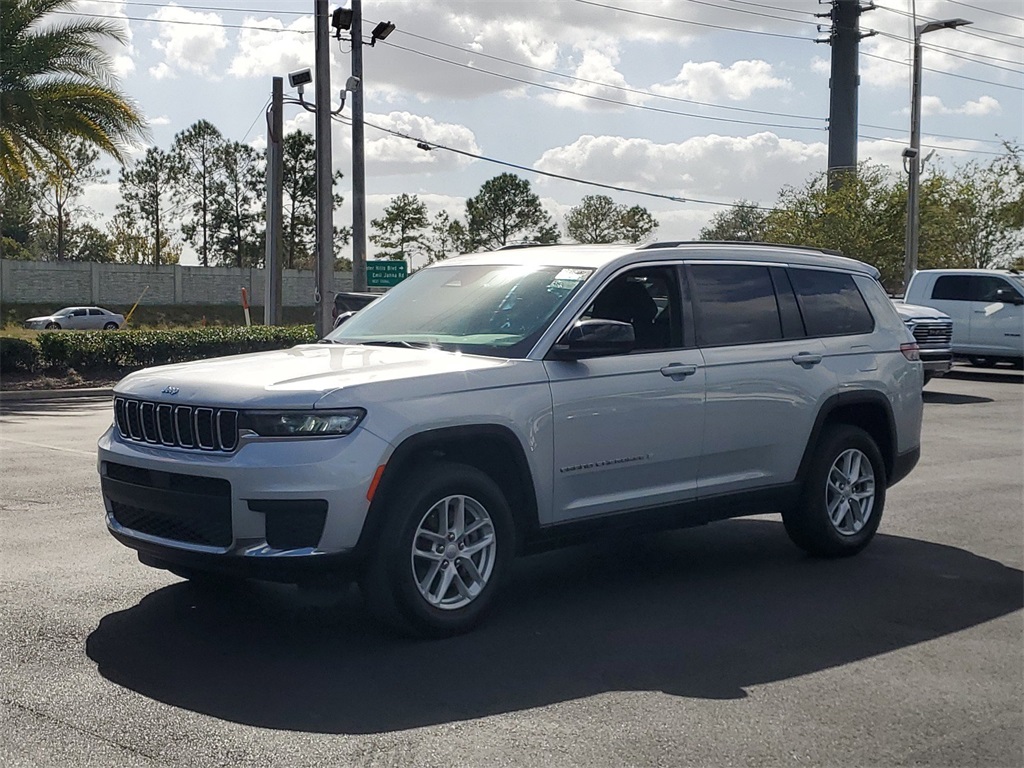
[{"x": 397, "y": 343}]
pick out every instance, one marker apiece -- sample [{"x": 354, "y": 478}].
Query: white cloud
[
  {"x": 597, "y": 66},
  {"x": 262, "y": 51},
  {"x": 386, "y": 154},
  {"x": 189, "y": 40},
  {"x": 710, "y": 81},
  {"x": 984, "y": 105},
  {"x": 725, "y": 168},
  {"x": 161, "y": 120}
]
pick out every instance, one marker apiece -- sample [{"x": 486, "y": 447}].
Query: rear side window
[
  {"x": 735, "y": 304},
  {"x": 830, "y": 303},
  {"x": 952, "y": 288}
]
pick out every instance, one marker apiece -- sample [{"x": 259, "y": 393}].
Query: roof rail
[{"x": 676, "y": 243}]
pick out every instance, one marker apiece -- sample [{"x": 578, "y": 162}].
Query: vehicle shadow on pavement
[
  {"x": 701, "y": 613},
  {"x": 951, "y": 398},
  {"x": 997, "y": 376}
]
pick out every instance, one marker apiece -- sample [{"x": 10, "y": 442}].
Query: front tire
[
  {"x": 843, "y": 495},
  {"x": 53, "y": 326},
  {"x": 443, "y": 549}
]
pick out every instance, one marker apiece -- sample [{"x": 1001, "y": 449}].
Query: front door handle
[
  {"x": 678, "y": 370},
  {"x": 806, "y": 358}
]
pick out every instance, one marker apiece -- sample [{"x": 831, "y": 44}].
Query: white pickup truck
[{"x": 987, "y": 307}]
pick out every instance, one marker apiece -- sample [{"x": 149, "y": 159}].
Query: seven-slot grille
[
  {"x": 938, "y": 333},
  {"x": 180, "y": 426}
]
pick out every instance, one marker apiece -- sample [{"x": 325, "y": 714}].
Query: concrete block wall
[{"x": 67, "y": 283}]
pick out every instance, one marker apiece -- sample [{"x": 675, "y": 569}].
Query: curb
[{"x": 16, "y": 395}]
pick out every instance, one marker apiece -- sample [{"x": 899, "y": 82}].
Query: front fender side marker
[{"x": 375, "y": 482}]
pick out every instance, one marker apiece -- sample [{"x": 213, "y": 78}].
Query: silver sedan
[{"x": 79, "y": 319}]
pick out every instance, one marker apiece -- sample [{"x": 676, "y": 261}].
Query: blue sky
[{"x": 715, "y": 101}]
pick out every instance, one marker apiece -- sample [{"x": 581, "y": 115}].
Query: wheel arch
[
  {"x": 867, "y": 409},
  {"x": 491, "y": 448}
]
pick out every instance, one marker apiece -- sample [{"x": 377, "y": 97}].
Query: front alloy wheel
[
  {"x": 453, "y": 552},
  {"x": 446, "y": 541}
]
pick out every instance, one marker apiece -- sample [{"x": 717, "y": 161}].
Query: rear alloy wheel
[
  {"x": 843, "y": 496},
  {"x": 441, "y": 553},
  {"x": 110, "y": 327}
]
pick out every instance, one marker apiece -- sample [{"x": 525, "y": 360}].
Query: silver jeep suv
[{"x": 496, "y": 404}]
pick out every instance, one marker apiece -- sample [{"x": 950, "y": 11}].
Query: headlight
[{"x": 301, "y": 423}]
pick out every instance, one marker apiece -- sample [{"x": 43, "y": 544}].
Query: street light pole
[
  {"x": 358, "y": 156},
  {"x": 324, "y": 174},
  {"x": 912, "y": 155}
]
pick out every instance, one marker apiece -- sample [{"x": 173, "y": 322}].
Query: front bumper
[
  {"x": 281, "y": 510},
  {"x": 937, "y": 363}
]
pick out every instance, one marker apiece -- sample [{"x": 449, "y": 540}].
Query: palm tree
[{"x": 55, "y": 84}]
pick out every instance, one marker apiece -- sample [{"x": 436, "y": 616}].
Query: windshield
[{"x": 496, "y": 310}]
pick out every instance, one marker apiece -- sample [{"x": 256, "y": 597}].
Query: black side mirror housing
[
  {"x": 594, "y": 338},
  {"x": 1009, "y": 296}
]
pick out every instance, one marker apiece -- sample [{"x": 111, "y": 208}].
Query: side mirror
[
  {"x": 595, "y": 338},
  {"x": 1009, "y": 296},
  {"x": 343, "y": 317}
]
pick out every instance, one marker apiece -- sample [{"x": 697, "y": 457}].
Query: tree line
[
  {"x": 209, "y": 192},
  {"x": 970, "y": 216}
]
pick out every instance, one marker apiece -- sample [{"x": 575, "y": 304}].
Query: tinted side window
[
  {"x": 986, "y": 287},
  {"x": 95, "y": 312},
  {"x": 735, "y": 304},
  {"x": 830, "y": 303},
  {"x": 952, "y": 288}
]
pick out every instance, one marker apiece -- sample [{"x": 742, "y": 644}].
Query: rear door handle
[
  {"x": 806, "y": 358},
  {"x": 678, "y": 370}
]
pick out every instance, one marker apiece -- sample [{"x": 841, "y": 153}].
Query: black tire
[
  {"x": 809, "y": 524},
  {"x": 390, "y": 584},
  {"x": 110, "y": 327},
  {"x": 53, "y": 326}
]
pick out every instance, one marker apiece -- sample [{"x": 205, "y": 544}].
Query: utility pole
[
  {"x": 358, "y": 153},
  {"x": 272, "y": 313},
  {"x": 324, "y": 298},
  {"x": 844, "y": 81}
]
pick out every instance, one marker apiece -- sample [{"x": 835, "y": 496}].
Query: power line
[
  {"x": 986, "y": 10},
  {"x": 975, "y": 32},
  {"x": 199, "y": 7},
  {"x": 604, "y": 99},
  {"x": 636, "y": 91},
  {"x": 429, "y": 145},
  {"x": 186, "y": 23},
  {"x": 720, "y": 7},
  {"x": 940, "y": 72},
  {"x": 693, "y": 23},
  {"x": 631, "y": 90},
  {"x": 958, "y": 55},
  {"x": 936, "y": 146}
]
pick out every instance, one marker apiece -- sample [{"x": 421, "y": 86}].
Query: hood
[
  {"x": 917, "y": 312},
  {"x": 40, "y": 319},
  {"x": 307, "y": 375}
]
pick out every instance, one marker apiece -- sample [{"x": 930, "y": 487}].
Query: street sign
[{"x": 384, "y": 274}]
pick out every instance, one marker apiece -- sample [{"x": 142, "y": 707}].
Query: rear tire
[
  {"x": 110, "y": 327},
  {"x": 843, "y": 495},
  {"x": 442, "y": 552}
]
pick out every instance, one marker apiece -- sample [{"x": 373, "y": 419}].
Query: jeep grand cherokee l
[{"x": 494, "y": 404}]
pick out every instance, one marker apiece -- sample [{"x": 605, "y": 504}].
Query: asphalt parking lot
[{"x": 722, "y": 645}]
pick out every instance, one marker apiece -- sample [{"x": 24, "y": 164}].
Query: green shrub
[
  {"x": 18, "y": 355},
  {"x": 129, "y": 349}
]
